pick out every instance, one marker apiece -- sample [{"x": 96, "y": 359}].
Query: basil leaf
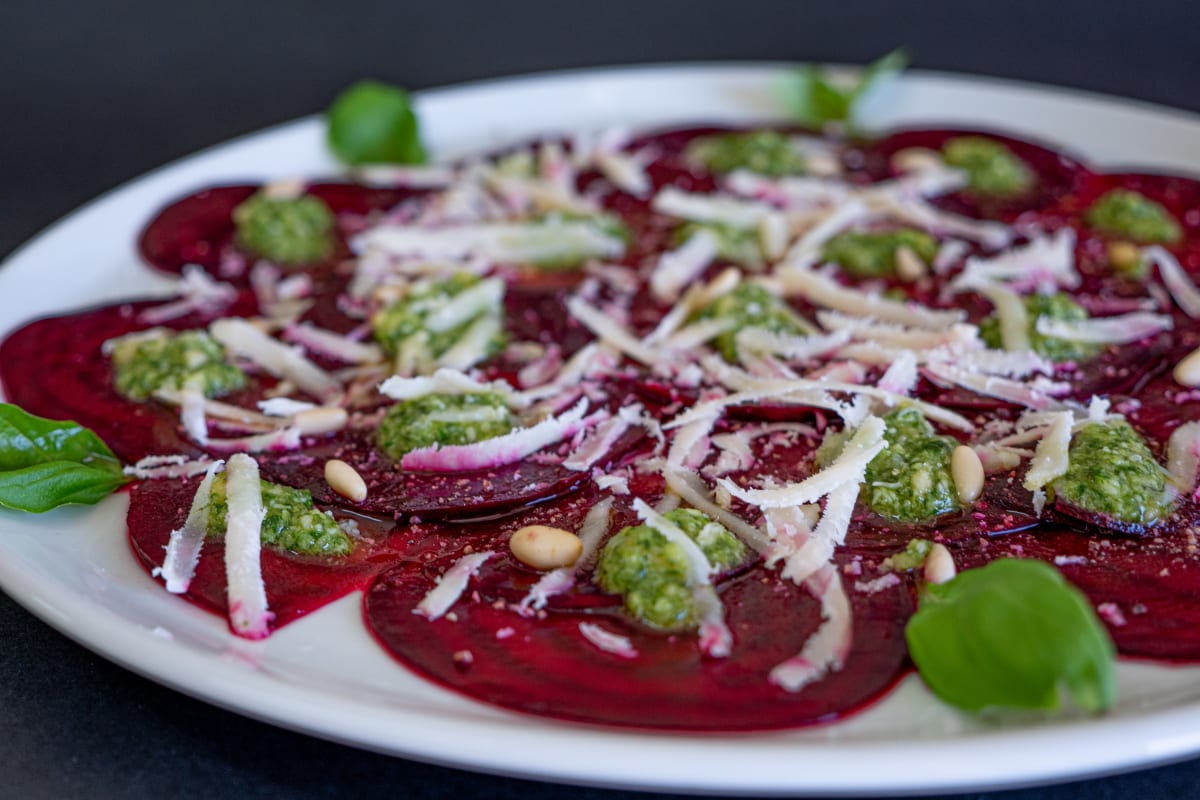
[
  {"x": 373, "y": 123},
  {"x": 1011, "y": 634},
  {"x": 45, "y": 463},
  {"x": 814, "y": 101}
]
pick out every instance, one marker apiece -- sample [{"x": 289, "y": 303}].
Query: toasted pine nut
[
  {"x": 1123, "y": 256},
  {"x": 345, "y": 480},
  {"x": 939, "y": 564},
  {"x": 1187, "y": 371},
  {"x": 909, "y": 266},
  {"x": 915, "y": 159},
  {"x": 967, "y": 470},
  {"x": 285, "y": 188},
  {"x": 325, "y": 419},
  {"x": 544, "y": 547}
]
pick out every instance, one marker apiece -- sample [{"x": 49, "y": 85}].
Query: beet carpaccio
[{"x": 666, "y": 432}]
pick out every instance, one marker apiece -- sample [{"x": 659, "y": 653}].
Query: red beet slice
[{"x": 296, "y": 585}]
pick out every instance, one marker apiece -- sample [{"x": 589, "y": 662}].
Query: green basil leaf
[
  {"x": 814, "y": 101},
  {"x": 1012, "y": 634},
  {"x": 46, "y": 463},
  {"x": 373, "y": 123}
]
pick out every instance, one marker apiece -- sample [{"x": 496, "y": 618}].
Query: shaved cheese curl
[
  {"x": 1050, "y": 460},
  {"x": 247, "y": 596},
  {"x": 1106, "y": 330},
  {"x": 608, "y": 641},
  {"x": 183, "y": 548},
  {"x": 1175, "y": 278},
  {"x": 450, "y": 586},
  {"x": 244, "y": 339},
  {"x": 827, "y": 649}
]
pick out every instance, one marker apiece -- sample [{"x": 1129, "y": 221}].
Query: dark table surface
[{"x": 93, "y": 95}]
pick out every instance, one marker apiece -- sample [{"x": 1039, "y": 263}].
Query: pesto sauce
[
  {"x": 872, "y": 254},
  {"x": 764, "y": 152},
  {"x": 285, "y": 230},
  {"x": 401, "y": 326},
  {"x": 751, "y": 306},
  {"x": 734, "y": 244},
  {"x": 173, "y": 362},
  {"x": 911, "y": 557},
  {"x": 1112, "y": 473},
  {"x": 910, "y": 480},
  {"x": 608, "y": 224},
  {"x": 651, "y": 572},
  {"x": 291, "y": 522},
  {"x": 1053, "y": 306},
  {"x": 991, "y": 167},
  {"x": 1122, "y": 212},
  {"x": 443, "y": 419}
]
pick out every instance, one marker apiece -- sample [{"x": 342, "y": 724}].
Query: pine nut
[
  {"x": 345, "y": 480},
  {"x": 316, "y": 421},
  {"x": 966, "y": 469},
  {"x": 1187, "y": 371},
  {"x": 939, "y": 564},
  {"x": 909, "y": 266},
  {"x": 1124, "y": 256},
  {"x": 544, "y": 547}
]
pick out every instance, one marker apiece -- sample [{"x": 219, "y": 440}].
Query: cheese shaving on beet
[
  {"x": 827, "y": 649},
  {"x": 247, "y": 596},
  {"x": 243, "y": 339},
  {"x": 183, "y": 548},
  {"x": 607, "y": 641},
  {"x": 450, "y": 586},
  {"x": 1106, "y": 330}
]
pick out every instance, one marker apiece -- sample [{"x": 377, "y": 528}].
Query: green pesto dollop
[
  {"x": 286, "y": 230},
  {"x": 751, "y": 306},
  {"x": 402, "y": 329},
  {"x": 651, "y": 572},
  {"x": 734, "y": 244},
  {"x": 1132, "y": 215},
  {"x": 443, "y": 419},
  {"x": 143, "y": 365},
  {"x": 765, "y": 152},
  {"x": 910, "y": 480},
  {"x": 911, "y": 557},
  {"x": 1112, "y": 473},
  {"x": 991, "y": 167},
  {"x": 872, "y": 254},
  {"x": 1052, "y": 306},
  {"x": 291, "y": 522}
]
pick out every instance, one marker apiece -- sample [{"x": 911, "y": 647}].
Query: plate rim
[{"x": 23, "y": 590}]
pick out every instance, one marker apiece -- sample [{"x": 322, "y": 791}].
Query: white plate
[{"x": 324, "y": 675}]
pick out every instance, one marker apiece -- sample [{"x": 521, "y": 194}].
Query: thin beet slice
[
  {"x": 1057, "y": 173},
  {"x": 54, "y": 368},
  {"x": 1145, "y": 588},
  {"x": 543, "y": 664},
  {"x": 199, "y": 229},
  {"x": 296, "y": 585}
]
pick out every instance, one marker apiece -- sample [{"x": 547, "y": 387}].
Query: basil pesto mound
[
  {"x": 872, "y": 254},
  {"x": 764, "y": 152},
  {"x": 291, "y": 523},
  {"x": 1113, "y": 479},
  {"x": 1051, "y": 306},
  {"x": 443, "y": 419},
  {"x": 991, "y": 167},
  {"x": 651, "y": 573},
  {"x": 163, "y": 361},
  {"x": 455, "y": 322},
  {"x": 737, "y": 245},
  {"x": 1132, "y": 215},
  {"x": 751, "y": 306},
  {"x": 910, "y": 479},
  {"x": 285, "y": 230}
]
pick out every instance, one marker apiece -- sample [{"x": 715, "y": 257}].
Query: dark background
[{"x": 92, "y": 95}]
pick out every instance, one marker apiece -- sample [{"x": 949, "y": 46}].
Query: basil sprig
[
  {"x": 814, "y": 101},
  {"x": 1012, "y": 634},
  {"x": 374, "y": 123},
  {"x": 45, "y": 464}
]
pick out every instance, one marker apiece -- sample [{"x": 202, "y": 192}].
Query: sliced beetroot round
[
  {"x": 1145, "y": 588},
  {"x": 1058, "y": 174},
  {"x": 544, "y": 665},
  {"x": 199, "y": 228},
  {"x": 54, "y": 368},
  {"x": 295, "y": 585}
]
